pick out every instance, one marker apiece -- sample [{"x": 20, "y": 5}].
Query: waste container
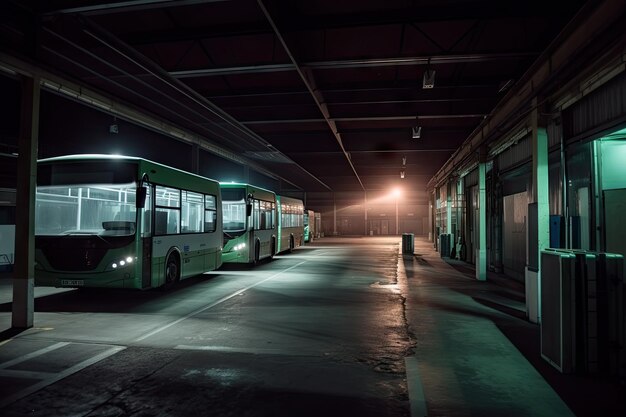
[
  {"x": 444, "y": 245},
  {"x": 407, "y": 243}
]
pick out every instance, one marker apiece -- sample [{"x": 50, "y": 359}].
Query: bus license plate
[{"x": 72, "y": 282}]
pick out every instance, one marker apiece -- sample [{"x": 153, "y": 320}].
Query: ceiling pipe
[
  {"x": 365, "y": 119},
  {"x": 315, "y": 93},
  {"x": 355, "y": 63},
  {"x": 126, "y": 6},
  {"x": 135, "y": 58}
]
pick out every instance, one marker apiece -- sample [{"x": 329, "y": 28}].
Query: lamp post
[
  {"x": 397, "y": 225},
  {"x": 396, "y": 193}
]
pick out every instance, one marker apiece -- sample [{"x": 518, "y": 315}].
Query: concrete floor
[{"x": 344, "y": 326}]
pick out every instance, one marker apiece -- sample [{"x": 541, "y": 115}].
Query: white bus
[{"x": 123, "y": 222}]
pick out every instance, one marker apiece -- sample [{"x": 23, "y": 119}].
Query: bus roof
[
  {"x": 262, "y": 192},
  {"x": 92, "y": 156},
  {"x": 109, "y": 157}
]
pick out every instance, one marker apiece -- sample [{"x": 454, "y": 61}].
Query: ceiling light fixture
[
  {"x": 402, "y": 173},
  {"x": 416, "y": 132},
  {"x": 428, "y": 81},
  {"x": 114, "y": 128}
]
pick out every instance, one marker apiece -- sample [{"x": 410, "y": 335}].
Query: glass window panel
[
  {"x": 256, "y": 214},
  {"x": 147, "y": 213},
  {"x": 210, "y": 220},
  {"x": 85, "y": 209},
  {"x": 191, "y": 212},
  {"x": 166, "y": 221},
  {"x": 167, "y": 197},
  {"x": 210, "y": 202}
]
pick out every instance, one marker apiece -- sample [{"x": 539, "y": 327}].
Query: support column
[
  {"x": 431, "y": 215},
  {"x": 334, "y": 218},
  {"x": 24, "y": 267},
  {"x": 365, "y": 211},
  {"x": 397, "y": 218},
  {"x": 481, "y": 247},
  {"x": 540, "y": 227},
  {"x": 449, "y": 217}
]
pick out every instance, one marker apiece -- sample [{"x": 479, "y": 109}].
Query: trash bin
[
  {"x": 444, "y": 245},
  {"x": 408, "y": 243}
]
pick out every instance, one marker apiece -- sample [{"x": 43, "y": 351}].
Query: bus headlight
[
  {"x": 125, "y": 261},
  {"x": 239, "y": 246}
]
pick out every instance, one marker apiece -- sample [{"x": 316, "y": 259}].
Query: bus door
[{"x": 147, "y": 231}]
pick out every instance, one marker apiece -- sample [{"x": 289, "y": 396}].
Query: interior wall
[
  {"x": 613, "y": 163},
  {"x": 515, "y": 208}
]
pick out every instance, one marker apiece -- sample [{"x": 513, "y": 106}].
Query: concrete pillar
[
  {"x": 365, "y": 210},
  {"x": 431, "y": 215},
  {"x": 541, "y": 198},
  {"x": 449, "y": 215},
  {"x": 334, "y": 217},
  {"x": 24, "y": 267},
  {"x": 397, "y": 218},
  {"x": 481, "y": 246}
]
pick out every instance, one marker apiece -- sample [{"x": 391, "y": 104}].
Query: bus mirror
[
  {"x": 141, "y": 197},
  {"x": 248, "y": 209}
]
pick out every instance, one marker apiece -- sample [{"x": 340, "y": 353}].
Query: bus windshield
[
  {"x": 234, "y": 210},
  {"x": 102, "y": 209}
]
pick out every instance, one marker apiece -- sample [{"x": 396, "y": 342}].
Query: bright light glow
[
  {"x": 122, "y": 263},
  {"x": 396, "y": 192},
  {"x": 114, "y": 266},
  {"x": 129, "y": 259}
]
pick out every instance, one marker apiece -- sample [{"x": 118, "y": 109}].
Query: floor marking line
[
  {"x": 57, "y": 377},
  {"x": 33, "y": 354},
  {"x": 253, "y": 351},
  {"x": 417, "y": 399},
  {"x": 221, "y": 300}
]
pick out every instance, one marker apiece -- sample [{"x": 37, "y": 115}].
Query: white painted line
[
  {"x": 253, "y": 351},
  {"x": 33, "y": 354},
  {"x": 230, "y": 349},
  {"x": 417, "y": 398},
  {"x": 221, "y": 300},
  {"x": 57, "y": 377}
]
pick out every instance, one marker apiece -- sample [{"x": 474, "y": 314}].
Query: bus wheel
[
  {"x": 257, "y": 252},
  {"x": 273, "y": 249},
  {"x": 172, "y": 270}
]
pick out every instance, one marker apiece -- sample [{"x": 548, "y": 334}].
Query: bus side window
[
  {"x": 160, "y": 223},
  {"x": 173, "y": 222}
]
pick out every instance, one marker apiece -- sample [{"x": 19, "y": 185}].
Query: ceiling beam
[
  {"x": 361, "y": 103},
  {"x": 400, "y": 151},
  {"x": 310, "y": 85},
  {"x": 365, "y": 119},
  {"x": 125, "y": 6},
  {"x": 518, "y": 12},
  {"x": 355, "y": 63}
]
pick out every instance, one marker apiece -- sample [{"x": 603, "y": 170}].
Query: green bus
[
  {"x": 250, "y": 223},
  {"x": 123, "y": 222},
  {"x": 291, "y": 223}
]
